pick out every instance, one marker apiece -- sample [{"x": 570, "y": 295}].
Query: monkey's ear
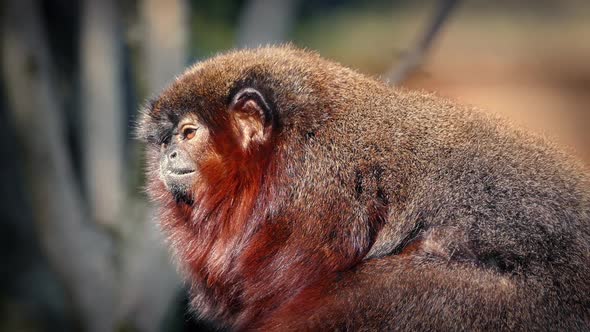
[{"x": 253, "y": 117}]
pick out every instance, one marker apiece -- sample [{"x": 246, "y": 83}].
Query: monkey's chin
[
  {"x": 181, "y": 195},
  {"x": 180, "y": 188}
]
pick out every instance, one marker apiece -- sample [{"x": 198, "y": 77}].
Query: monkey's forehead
[{"x": 209, "y": 84}]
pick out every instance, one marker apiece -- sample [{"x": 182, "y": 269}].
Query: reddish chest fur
[
  {"x": 237, "y": 248},
  {"x": 234, "y": 251}
]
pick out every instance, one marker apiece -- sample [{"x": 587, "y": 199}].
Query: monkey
[{"x": 300, "y": 195}]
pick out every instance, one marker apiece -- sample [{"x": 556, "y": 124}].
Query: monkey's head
[
  {"x": 195, "y": 139},
  {"x": 224, "y": 116}
]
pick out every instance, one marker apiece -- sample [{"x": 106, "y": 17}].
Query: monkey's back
[
  {"x": 463, "y": 190},
  {"x": 517, "y": 196},
  {"x": 472, "y": 190},
  {"x": 488, "y": 192}
]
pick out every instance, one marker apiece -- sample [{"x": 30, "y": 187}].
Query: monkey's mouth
[
  {"x": 181, "y": 172},
  {"x": 179, "y": 182}
]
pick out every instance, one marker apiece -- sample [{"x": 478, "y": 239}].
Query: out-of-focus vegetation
[{"x": 77, "y": 241}]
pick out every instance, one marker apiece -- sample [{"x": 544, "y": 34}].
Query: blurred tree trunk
[
  {"x": 166, "y": 36},
  {"x": 103, "y": 109},
  {"x": 79, "y": 252},
  {"x": 132, "y": 280},
  {"x": 266, "y": 22}
]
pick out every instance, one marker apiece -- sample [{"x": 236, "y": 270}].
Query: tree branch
[
  {"x": 415, "y": 57},
  {"x": 102, "y": 106}
]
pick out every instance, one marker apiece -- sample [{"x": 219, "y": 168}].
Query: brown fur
[{"x": 367, "y": 207}]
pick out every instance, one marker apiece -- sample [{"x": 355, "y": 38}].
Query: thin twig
[{"x": 414, "y": 58}]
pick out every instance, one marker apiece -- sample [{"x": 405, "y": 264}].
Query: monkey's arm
[{"x": 410, "y": 293}]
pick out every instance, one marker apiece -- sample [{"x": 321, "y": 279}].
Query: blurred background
[{"x": 78, "y": 245}]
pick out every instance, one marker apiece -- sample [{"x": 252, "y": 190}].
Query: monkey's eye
[{"x": 188, "y": 131}]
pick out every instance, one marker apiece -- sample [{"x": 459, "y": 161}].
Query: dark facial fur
[{"x": 305, "y": 196}]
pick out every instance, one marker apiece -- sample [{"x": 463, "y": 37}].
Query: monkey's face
[
  {"x": 179, "y": 156},
  {"x": 202, "y": 144}
]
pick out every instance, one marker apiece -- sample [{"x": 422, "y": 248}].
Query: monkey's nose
[{"x": 177, "y": 161}]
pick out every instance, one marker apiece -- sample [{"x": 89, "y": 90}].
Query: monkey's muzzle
[{"x": 177, "y": 170}]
